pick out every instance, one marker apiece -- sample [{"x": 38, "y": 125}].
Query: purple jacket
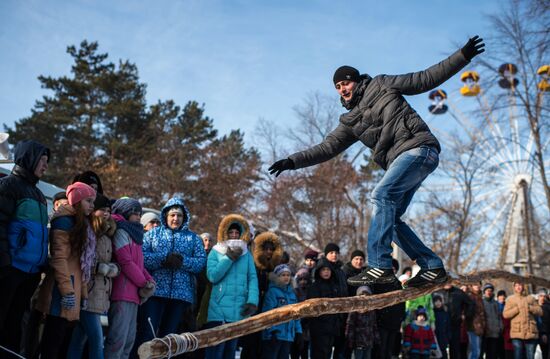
[{"x": 133, "y": 275}]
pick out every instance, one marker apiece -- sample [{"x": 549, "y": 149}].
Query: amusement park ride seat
[
  {"x": 471, "y": 87},
  {"x": 544, "y": 72},
  {"x": 507, "y": 73},
  {"x": 438, "y": 105}
]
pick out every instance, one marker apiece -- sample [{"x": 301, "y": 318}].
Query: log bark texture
[{"x": 321, "y": 306}]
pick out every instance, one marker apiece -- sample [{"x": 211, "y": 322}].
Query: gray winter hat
[
  {"x": 146, "y": 218},
  {"x": 364, "y": 289}
]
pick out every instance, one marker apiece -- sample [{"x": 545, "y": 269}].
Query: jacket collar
[
  {"x": 25, "y": 174},
  {"x": 357, "y": 93}
]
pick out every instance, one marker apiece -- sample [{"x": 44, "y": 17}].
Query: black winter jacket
[
  {"x": 382, "y": 119},
  {"x": 389, "y": 318},
  {"x": 330, "y": 324},
  {"x": 23, "y": 212},
  {"x": 351, "y": 271},
  {"x": 459, "y": 303}
]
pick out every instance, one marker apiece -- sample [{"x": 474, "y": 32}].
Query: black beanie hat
[
  {"x": 331, "y": 247},
  {"x": 357, "y": 253},
  {"x": 346, "y": 73},
  {"x": 90, "y": 178},
  {"x": 101, "y": 202},
  {"x": 59, "y": 195}
]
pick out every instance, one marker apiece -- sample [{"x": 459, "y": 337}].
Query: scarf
[
  {"x": 87, "y": 258},
  {"x": 134, "y": 229},
  {"x": 357, "y": 93}
]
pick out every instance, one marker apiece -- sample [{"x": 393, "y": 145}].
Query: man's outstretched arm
[
  {"x": 335, "y": 143},
  {"x": 418, "y": 82}
]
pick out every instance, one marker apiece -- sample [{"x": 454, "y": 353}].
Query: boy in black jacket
[{"x": 325, "y": 328}]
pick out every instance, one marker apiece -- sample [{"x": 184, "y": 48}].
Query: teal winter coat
[
  {"x": 234, "y": 283},
  {"x": 279, "y": 296}
]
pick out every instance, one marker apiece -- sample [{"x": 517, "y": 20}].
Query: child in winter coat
[
  {"x": 230, "y": 268},
  {"x": 134, "y": 282},
  {"x": 426, "y": 302},
  {"x": 325, "y": 328},
  {"x": 174, "y": 255},
  {"x": 277, "y": 340},
  {"x": 99, "y": 287},
  {"x": 267, "y": 253},
  {"x": 72, "y": 249},
  {"x": 419, "y": 339},
  {"x": 361, "y": 331}
]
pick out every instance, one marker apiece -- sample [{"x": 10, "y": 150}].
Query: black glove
[
  {"x": 473, "y": 47},
  {"x": 234, "y": 253},
  {"x": 248, "y": 309},
  {"x": 299, "y": 341},
  {"x": 173, "y": 261},
  {"x": 280, "y": 166}
]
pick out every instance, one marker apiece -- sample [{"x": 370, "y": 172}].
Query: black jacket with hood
[
  {"x": 329, "y": 324},
  {"x": 24, "y": 212},
  {"x": 381, "y": 118}
]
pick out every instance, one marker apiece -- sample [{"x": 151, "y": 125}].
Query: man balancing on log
[{"x": 402, "y": 144}]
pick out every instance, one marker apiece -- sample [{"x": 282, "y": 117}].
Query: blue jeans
[
  {"x": 474, "y": 346},
  {"x": 88, "y": 328},
  {"x": 225, "y": 350},
  {"x": 390, "y": 198},
  {"x": 165, "y": 314},
  {"x": 524, "y": 349}
]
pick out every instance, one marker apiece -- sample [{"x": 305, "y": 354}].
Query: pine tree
[{"x": 98, "y": 119}]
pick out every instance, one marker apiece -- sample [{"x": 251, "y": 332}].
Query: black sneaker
[
  {"x": 427, "y": 276},
  {"x": 371, "y": 276}
]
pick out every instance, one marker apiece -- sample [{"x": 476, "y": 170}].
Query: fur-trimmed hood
[
  {"x": 176, "y": 202},
  {"x": 227, "y": 221},
  {"x": 259, "y": 241}
]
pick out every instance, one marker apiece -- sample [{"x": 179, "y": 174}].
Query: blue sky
[{"x": 244, "y": 60}]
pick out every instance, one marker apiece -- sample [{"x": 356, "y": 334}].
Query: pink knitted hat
[{"x": 78, "y": 191}]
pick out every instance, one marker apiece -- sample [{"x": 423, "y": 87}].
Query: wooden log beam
[{"x": 320, "y": 306}]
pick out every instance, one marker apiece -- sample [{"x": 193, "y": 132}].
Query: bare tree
[
  {"x": 522, "y": 37},
  {"x": 451, "y": 214},
  {"x": 317, "y": 205}
]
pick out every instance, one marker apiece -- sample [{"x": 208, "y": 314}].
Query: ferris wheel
[{"x": 511, "y": 213}]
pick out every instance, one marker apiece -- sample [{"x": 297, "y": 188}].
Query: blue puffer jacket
[
  {"x": 158, "y": 242},
  {"x": 234, "y": 283},
  {"x": 279, "y": 296}
]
